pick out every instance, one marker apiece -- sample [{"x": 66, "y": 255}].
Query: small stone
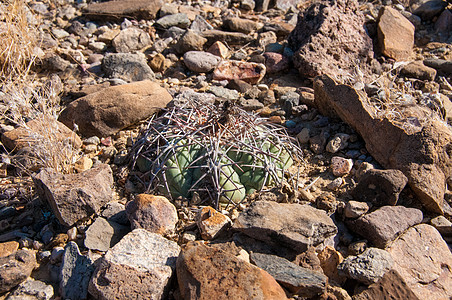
[
  {"x": 131, "y": 39},
  {"x": 59, "y": 33},
  {"x": 275, "y": 62},
  {"x": 427, "y": 10},
  {"x": 304, "y": 136},
  {"x": 201, "y": 62},
  {"x": 335, "y": 184},
  {"x": 219, "y": 49},
  {"x": 341, "y": 166},
  {"x": 443, "y": 225},
  {"x": 337, "y": 143},
  {"x": 116, "y": 212},
  {"x": 355, "y": 209},
  {"x": 179, "y": 20},
  {"x": 251, "y": 104},
  {"x": 16, "y": 268},
  {"x": 200, "y": 24},
  {"x": 127, "y": 66},
  {"x": 246, "y": 71},
  {"x": 157, "y": 63},
  {"x": 242, "y": 25},
  {"x": 83, "y": 164},
  {"x": 418, "y": 70},
  {"x": 329, "y": 260},
  {"x": 72, "y": 234},
  {"x": 31, "y": 290},
  {"x": 57, "y": 255},
  {"x": 103, "y": 234},
  {"x": 222, "y": 92},
  {"x": 211, "y": 223},
  {"x": 190, "y": 41},
  {"x": 8, "y": 248},
  {"x": 231, "y": 38}
]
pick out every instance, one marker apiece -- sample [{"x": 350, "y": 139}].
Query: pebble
[
  {"x": 201, "y": 62},
  {"x": 341, "y": 166}
]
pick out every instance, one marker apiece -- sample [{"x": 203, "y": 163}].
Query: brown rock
[
  {"x": 418, "y": 70},
  {"x": 275, "y": 62},
  {"x": 329, "y": 260},
  {"x": 140, "y": 9},
  {"x": 309, "y": 260},
  {"x": 395, "y": 34},
  {"x": 157, "y": 63},
  {"x": 153, "y": 213},
  {"x": 341, "y": 166},
  {"x": 390, "y": 286},
  {"x": 241, "y": 25},
  {"x": 42, "y": 127},
  {"x": 16, "y": 268},
  {"x": 190, "y": 41},
  {"x": 208, "y": 273},
  {"x": 8, "y": 248},
  {"x": 106, "y": 112},
  {"x": 219, "y": 49},
  {"x": 231, "y": 38},
  {"x": 386, "y": 223},
  {"x": 234, "y": 69},
  {"x": 330, "y": 39},
  {"x": 421, "y": 153},
  {"x": 75, "y": 196},
  {"x": 424, "y": 261},
  {"x": 211, "y": 223}
]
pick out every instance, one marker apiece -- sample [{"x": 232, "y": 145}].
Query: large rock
[
  {"x": 127, "y": 66},
  {"x": 298, "y": 280},
  {"x": 291, "y": 225},
  {"x": 395, "y": 34},
  {"x": 424, "y": 261},
  {"x": 330, "y": 39},
  {"x": 386, "y": 223},
  {"x": 131, "y": 39},
  {"x": 140, "y": 9},
  {"x": 31, "y": 290},
  {"x": 422, "y": 152},
  {"x": 205, "y": 272},
  {"x": 75, "y": 196},
  {"x": 106, "y": 112},
  {"x": 15, "y": 269},
  {"x": 140, "y": 266}
]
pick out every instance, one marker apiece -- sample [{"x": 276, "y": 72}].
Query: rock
[
  {"x": 241, "y": 25},
  {"x": 427, "y": 272},
  {"x": 291, "y": 225},
  {"x": 230, "y": 38},
  {"x": 140, "y": 266},
  {"x": 337, "y": 143},
  {"x": 127, "y": 66},
  {"x": 304, "y": 136},
  {"x": 153, "y": 213},
  {"x": 395, "y": 34},
  {"x": 131, "y": 39},
  {"x": 385, "y": 224},
  {"x": 441, "y": 65},
  {"x": 329, "y": 260},
  {"x": 222, "y": 92},
  {"x": 443, "y": 225},
  {"x": 117, "y": 9},
  {"x": 211, "y": 223},
  {"x": 380, "y": 187},
  {"x": 158, "y": 63},
  {"x": 15, "y": 269},
  {"x": 205, "y": 272},
  {"x": 275, "y": 62},
  {"x": 390, "y": 286},
  {"x": 73, "y": 197},
  {"x": 421, "y": 153},
  {"x": 83, "y": 164},
  {"x": 427, "y": 9},
  {"x": 298, "y": 280},
  {"x": 200, "y": 24},
  {"x": 190, "y": 41},
  {"x": 103, "y": 234},
  {"x": 116, "y": 212},
  {"x": 234, "y": 69},
  {"x": 201, "y": 62},
  {"x": 179, "y": 20},
  {"x": 75, "y": 273},
  {"x": 31, "y": 290},
  {"x": 106, "y": 112},
  {"x": 8, "y": 248},
  {"x": 444, "y": 23},
  {"x": 239, "y": 85},
  {"x": 367, "y": 267},
  {"x": 45, "y": 127},
  {"x": 355, "y": 209},
  {"x": 418, "y": 70},
  {"x": 219, "y": 49},
  {"x": 321, "y": 49},
  {"x": 309, "y": 260},
  {"x": 341, "y": 166},
  {"x": 335, "y": 184}
]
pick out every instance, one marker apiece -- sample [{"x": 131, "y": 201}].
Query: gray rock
[
  {"x": 200, "y": 24},
  {"x": 127, "y": 66},
  {"x": 73, "y": 197},
  {"x": 75, "y": 273},
  {"x": 15, "y": 269},
  {"x": 289, "y": 100},
  {"x": 298, "y": 280},
  {"x": 190, "y": 41},
  {"x": 385, "y": 224},
  {"x": 337, "y": 143},
  {"x": 140, "y": 266},
  {"x": 250, "y": 104},
  {"x": 131, "y": 39},
  {"x": 427, "y": 9},
  {"x": 201, "y": 62},
  {"x": 222, "y": 92},
  {"x": 443, "y": 225},
  {"x": 291, "y": 225},
  {"x": 367, "y": 267},
  {"x": 180, "y": 20},
  {"x": 32, "y": 290},
  {"x": 116, "y": 212},
  {"x": 103, "y": 234},
  {"x": 441, "y": 65}
]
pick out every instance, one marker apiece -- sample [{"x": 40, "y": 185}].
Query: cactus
[{"x": 223, "y": 154}]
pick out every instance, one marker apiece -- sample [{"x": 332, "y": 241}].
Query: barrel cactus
[{"x": 220, "y": 154}]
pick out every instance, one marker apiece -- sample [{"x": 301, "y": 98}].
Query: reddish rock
[
  {"x": 16, "y": 268},
  {"x": 153, "y": 213},
  {"x": 424, "y": 261},
  {"x": 219, "y": 49},
  {"x": 341, "y": 166},
  {"x": 234, "y": 69},
  {"x": 211, "y": 223},
  {"x": 395, "y": 34},
  {"x": 205, "y": 273},
  {"x": 329, "y": 260},
  {"x": 140, "y": 9},
  {"x": 330, "y": 39},
  {"x": 275, "y": 62}
]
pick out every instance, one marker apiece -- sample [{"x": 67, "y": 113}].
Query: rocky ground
[{"x": 364, "y": 212}]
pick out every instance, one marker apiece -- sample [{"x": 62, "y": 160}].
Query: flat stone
[
  {"x": 443, "y": 225},
  {"x": 383, "y": 225},
  {"x": 368, "y": 267},
  {"x": 231, "y": 38},
  {"x": 222, "y": 92},
  {"x": 140, "y": 266},
  {"x": 418, "y": 70},
  {"x": 201, "y": 62},
  {"x": 116, "y": 212},
  {"x": 179, "y": 20},
  {"x": 211, "y": 223},
  {"x": 424, "y": 261},
  {"x": 131, "y": 39},
  {"x": 73, "y": 197},
  {"x": 298, "y": 280},
  {"x": 103, "y": 234},
  {"x": 205, "y": 272},
  {"x": 234, "y": 69},
  {"x": 32, "y": 290},
  {"x": 395, "y": 34},
  {"x": 153, "y": 213},
  {"x": 441, "y": 65},
  {"x": 292, "y": 225},
  {"x": 15, "y": 269},
  {"x": 241, "y": 25},
  {"x": 75, "y": 273},
  {"x": 127, "y": 66},
  {"x": 8, "y": 248},
  {"x": 108, "y": 111},
  {"x": 117, "y": 9}
]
